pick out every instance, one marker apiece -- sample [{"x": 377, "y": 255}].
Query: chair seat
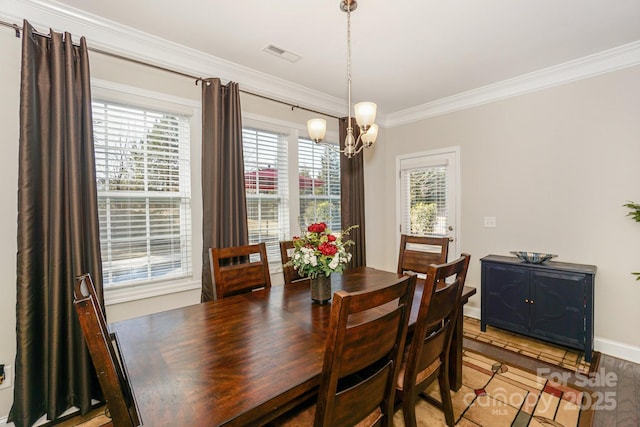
[{"x": 422, "y": 375}]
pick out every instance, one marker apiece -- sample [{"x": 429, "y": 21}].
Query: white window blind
[
  {"x": 319, "y": 177},
  {"x": 143, "y": 180},
  {"x": 265, "y": 172},
  {"x": 424, "y": 210}
]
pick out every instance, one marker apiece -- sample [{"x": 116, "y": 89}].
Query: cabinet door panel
[
  {"x": 507, "y": 289},
  {"x": 558, "y": 311}
]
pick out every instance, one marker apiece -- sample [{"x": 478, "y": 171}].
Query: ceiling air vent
[{"x": 281, "y": 53}]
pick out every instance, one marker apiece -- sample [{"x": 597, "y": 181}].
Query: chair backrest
[
  {"x": 418, "y": 252},
  {"x": 234, "y": 272},
  {"x": 111, "y": 375},
  {"x": 290, "y": 274},
  {"x": 436, "y": 319},
  {"x": 361, "y": 359}
]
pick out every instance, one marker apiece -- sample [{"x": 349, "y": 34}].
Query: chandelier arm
[
  {"x": 358, "y": 147},
  {"x": 331, "y": 147}
]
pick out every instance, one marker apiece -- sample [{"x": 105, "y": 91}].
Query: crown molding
[
  {"x": 116, "y": 38},
  {"x": 589, "y": 66},
  {"x": 113, "y": 37}
]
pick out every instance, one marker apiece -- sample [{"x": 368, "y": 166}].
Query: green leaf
[{"x": 635, "y": 210}]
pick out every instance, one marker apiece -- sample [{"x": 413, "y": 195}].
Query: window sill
[{"x": 142, "y": 291}]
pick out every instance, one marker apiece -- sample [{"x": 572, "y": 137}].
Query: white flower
[{"x": 334, "y": 262}]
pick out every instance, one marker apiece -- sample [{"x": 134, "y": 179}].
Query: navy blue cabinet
[{"x": 551, "y": 301}]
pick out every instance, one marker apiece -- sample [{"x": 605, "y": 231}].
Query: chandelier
[{"x": 365, "y": 112}]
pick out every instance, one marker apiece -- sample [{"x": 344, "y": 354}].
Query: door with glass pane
[{"x": 428, "y": 195}]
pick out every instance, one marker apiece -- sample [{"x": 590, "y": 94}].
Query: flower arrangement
[{"x": 320, "y": 251}]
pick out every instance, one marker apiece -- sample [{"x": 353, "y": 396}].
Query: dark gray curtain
[
  {"x": 58, "y": 231},
  {"x": 352, "y": 196},
  {"x": 224, "y": 207}
]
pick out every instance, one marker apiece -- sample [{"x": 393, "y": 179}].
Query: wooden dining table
[{"x": 241, "y": 360}]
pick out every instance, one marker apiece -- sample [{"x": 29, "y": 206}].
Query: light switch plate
[
  {"x": 490, "y": 222},
  {"x": 8, "y": 377}
]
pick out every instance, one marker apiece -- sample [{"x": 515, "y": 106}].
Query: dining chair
[
  {"x": 239, "y": 269},
  {"x": 427, "y": 356},
  {"x": 290, "y": 274},
  {"x": 104, "y": 354},
  {"x": 361, "y": 359},
  {"x": 418, "y": 252}
]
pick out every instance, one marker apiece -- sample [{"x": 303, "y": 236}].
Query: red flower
[
  {"x": 317, "y": 228},
  {"x": 327, "y": 248},
  {"x": 331, "y": 238}
]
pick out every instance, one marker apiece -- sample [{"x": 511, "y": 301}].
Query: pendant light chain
[{"x": 349, "y": 61}]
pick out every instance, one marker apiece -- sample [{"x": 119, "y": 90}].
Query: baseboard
[
  {"x": 617, "y": 349},
  {"x": 603, "y": 345}
]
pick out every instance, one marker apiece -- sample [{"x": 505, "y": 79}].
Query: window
[
  {"x": 319, "y": 175},
  {"x": 426, "y": 210},
  {"x": 290, "y": 182},
  {"x": 265, "y": 174},
  {"x": 143, "y": 180}
]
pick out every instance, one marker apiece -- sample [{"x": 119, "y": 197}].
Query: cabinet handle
[
  {"x": 526, "y": 300},
  {"x": 531, "y": 301}
]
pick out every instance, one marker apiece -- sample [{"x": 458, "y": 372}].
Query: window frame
[{"x": 142, "y": 98}]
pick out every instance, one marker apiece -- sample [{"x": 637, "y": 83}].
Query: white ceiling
[{"x": 405, "y": 53}]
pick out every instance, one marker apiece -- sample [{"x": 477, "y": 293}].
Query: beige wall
[{"x": 554, "y": 167}]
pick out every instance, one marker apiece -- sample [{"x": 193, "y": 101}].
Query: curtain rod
[{"x": 18, "y": 29}]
